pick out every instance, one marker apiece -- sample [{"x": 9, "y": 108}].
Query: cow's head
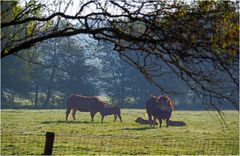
[
  {"x": 138, "y": 119},
  {"x": 105, "y": 104}
]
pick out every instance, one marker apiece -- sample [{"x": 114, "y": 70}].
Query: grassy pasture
[{"x": 23, "y": 132}]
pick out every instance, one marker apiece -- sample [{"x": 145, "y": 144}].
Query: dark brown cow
[
  {"x": 160, "y": 108},
  {"x": 83, "y": 104},
  {"x": 116, "y": 111}
]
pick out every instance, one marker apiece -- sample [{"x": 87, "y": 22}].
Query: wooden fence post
[{"x": 49, "y": 143}]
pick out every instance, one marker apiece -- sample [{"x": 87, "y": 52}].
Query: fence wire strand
[{"x": 33, "y": 144}]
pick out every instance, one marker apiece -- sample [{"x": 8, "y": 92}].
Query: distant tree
[
  {"x": 22, "y": 78},
  {"x": 15, "y": 80},
  {"x": 68, "y": 69},
  {"x": 38, "y": 74},
  {"x": 39, "y": 77},
  {"x": 76, "y": 74},
  {"x": 123, "y": 83},
  {"x": 114, "y": 80},
  {"x": 55, "y": 67}
]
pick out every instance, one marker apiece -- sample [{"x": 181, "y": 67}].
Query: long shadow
[
  {"x": 138, "y": 129},
  {"x": 69, "y": 122}
]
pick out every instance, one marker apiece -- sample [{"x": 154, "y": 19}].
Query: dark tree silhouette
[{"x": 197, "y": 41}]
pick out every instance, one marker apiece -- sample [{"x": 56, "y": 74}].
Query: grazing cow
[
  {"x": 160, "y": 108},
  {"x": 111, "y": 111},
  {"x": 83, "y": 104},
  {"x": 140, "y": 120}
]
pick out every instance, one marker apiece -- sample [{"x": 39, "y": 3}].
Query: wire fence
[{"x": 33, "y": 144}]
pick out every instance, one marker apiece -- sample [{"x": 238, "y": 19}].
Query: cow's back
[{"x": 84, "y": 104}]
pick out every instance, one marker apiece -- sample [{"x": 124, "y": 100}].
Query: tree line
[{"x": 45, "y": 75}]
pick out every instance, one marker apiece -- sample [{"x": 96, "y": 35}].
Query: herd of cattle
[{"x": 157, "y": 107}]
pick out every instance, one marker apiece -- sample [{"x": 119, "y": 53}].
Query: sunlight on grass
[{"x": 23, "y": 132}]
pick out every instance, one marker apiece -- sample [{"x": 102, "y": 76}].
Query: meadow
[{"x": 23, "y": 133}]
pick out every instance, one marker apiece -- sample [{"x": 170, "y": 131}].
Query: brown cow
[
  {"x": 160, "y": 108},
  {"x": 116, "y": 111},
  {"x": 83, "y": 104}
]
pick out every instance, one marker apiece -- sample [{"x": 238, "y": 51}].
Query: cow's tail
[{"x": 170, "y": 102}]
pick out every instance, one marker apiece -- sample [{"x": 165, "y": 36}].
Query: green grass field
[{"x": 23, "y": 132}]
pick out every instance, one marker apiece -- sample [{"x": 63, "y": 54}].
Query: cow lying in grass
[
  {"x": 140, "y": 120},
  {"x": 176, "y": 123},
  {"x": 111, "y": 111}
]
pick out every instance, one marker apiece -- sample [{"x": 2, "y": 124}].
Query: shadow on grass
[
  {"x": 138, "y": 129},
  {"x": 69, "y": 122}
]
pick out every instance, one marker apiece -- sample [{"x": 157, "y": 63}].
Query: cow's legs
[
  {"x": 102, "y": 118},
  {"x": 74, "y": 113},
  {"x": 119, "y": 116},
  {"x": 150, "y": 119},
  {"x": 67, "y": 113},
  {"x": 154, "y": 121},
  {"x": 92, "y": 115},
  {"x": 115, "y": 117},
  {"x": 167, "y": 120},
  {"x": 160, "y": 122}
]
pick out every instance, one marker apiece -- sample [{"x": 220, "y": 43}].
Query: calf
[
  {"x": 143, "y": 121},
  {"x": 176, "y": 123},
  {"x": 111, "y": 111}
]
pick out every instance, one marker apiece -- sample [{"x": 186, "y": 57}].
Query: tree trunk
[
  {"x": 36, "y": 95},
  {"x": 49, "y": 89}
]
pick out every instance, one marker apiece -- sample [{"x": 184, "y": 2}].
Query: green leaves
[
  {"x": 30, "y": 28},
  {"x": 225, "y": 38},
  {"x": 46, "y": 26},
  {"x": 15, "y": 10}
]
